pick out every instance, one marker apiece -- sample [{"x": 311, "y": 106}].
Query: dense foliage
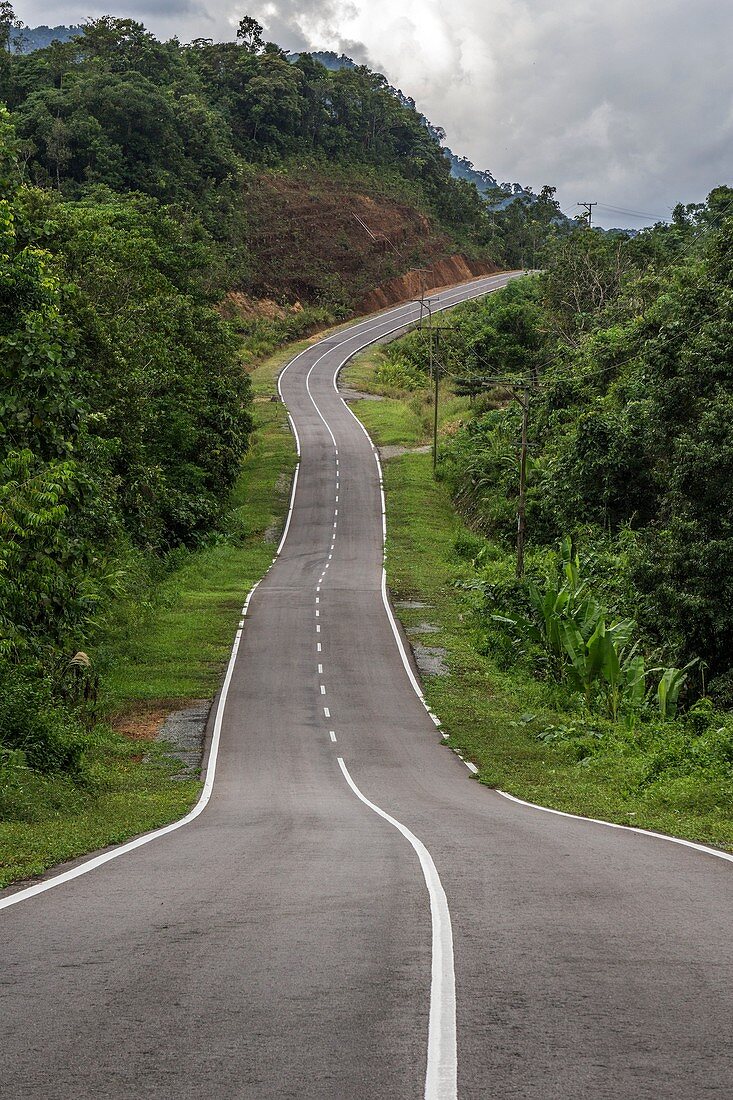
[
  {"x": 123, "y": 418},
  {"x": 625, "y": 348}
]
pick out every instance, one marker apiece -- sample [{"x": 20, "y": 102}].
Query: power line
[{"x": 633, "y": 213}]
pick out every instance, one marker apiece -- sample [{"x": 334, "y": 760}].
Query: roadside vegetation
[
  {"x": 78, "y": 770},
  {"x": 597, "y": 682}
]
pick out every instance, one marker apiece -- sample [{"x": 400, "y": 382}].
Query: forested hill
[
  {"x": 28, "y": 39},
  {"x": 499, "y": 195},
  {"x": 276, "y": 159},
  {"x": 148, "y": 191}
]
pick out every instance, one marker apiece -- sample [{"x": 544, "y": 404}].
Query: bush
[
  {"x": 720, "y": 690},
  {"x": 399, "y": 374},
  {"x": 49, "y": 737}
]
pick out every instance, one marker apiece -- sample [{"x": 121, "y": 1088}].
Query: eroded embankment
[{"x": 441, "y": 273}]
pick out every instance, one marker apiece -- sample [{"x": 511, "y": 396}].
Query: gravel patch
[
  {"x": 431, "y": 659},
  {"x": 183, "y": 734},
  {"x": 394, "y": 451},
  {"x": 356, "y": 395},
  {"x": 423, "y": 628}
]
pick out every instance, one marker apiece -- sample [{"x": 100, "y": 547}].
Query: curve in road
[{"x": 279, "y": 944}]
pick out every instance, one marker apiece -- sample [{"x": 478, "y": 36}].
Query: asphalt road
[{"x": 347, "y": 911}]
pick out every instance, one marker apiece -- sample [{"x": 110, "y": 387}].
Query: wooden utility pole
[
  {"x": 434, "y": 370},
  {"x": 588, "y": 207},
  {"x": 522, "y": 506},
  {"x": 435, "y": 375}
]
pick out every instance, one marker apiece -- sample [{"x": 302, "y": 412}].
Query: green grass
[
  {"x": 492, "y": 714},
  {"x": 400, "y": 418},
  {"x": 163, "y": 649},
  {"x": 180, "y": 648},
  {"x": 52, "y": 818}
]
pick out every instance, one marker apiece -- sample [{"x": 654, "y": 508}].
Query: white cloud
[{"x": 623, "y": 102}]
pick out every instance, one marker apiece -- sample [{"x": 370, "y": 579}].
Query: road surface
[{"x": 351, "y": 916}]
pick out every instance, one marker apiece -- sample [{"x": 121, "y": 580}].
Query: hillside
[
  {"x": 499, "y": 196},
  {"x": 28, "y": 39},
  {"x": 317, "y": 238},
  {"x": 277, "y": 156}
]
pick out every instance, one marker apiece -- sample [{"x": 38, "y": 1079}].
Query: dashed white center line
[
  {"x": 318, "y": 647},
  {"x": 323, "y": 689},
  {"x": 327, "y": 712},
  {"x": 320, "y": 670},
  {"x": 318, "y": 599},
  {"x": 317, "y": 613},
  {"x": 332, "y": 735},
  {"x": 318, "y": 630}
]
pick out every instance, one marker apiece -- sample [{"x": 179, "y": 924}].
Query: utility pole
[
  {"x": 521, "y": 394},
  {"x": 522, "y": 505},
  {"x": 434, "y": 368},
  {"x": 588, "y": 207},
  {"x": 435, "y": 375}
]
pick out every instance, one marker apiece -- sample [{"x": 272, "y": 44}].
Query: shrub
[{"x": 49, "y": 737}]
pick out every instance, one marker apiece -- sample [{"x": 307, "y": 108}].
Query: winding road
[{"x": 346, "y": 914}]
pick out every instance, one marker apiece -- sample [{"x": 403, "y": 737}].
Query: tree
[{"x": 249, "y": 33}]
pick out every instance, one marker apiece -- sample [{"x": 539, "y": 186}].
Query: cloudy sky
[{"x": 625, "y": 102}]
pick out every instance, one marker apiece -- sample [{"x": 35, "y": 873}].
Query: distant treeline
[{"x": 27, "y": 39}]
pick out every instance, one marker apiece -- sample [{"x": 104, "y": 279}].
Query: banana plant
[
  {"x": 606, "y": 660},
  {"x": 585, "y": 650},
  {"x": 670, "y": 685}
]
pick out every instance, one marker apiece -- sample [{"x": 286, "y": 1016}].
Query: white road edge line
[
  {"x": 290, "y": 508},
  {"x": 441, "y": 1077},
  {"x": 626, "y": 828},
  {"x": 146, "y": 838}
]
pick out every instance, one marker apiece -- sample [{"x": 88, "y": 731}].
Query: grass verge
[
  {"x": 164, "y": 649},
  {"x": 503, "y": 719}
]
